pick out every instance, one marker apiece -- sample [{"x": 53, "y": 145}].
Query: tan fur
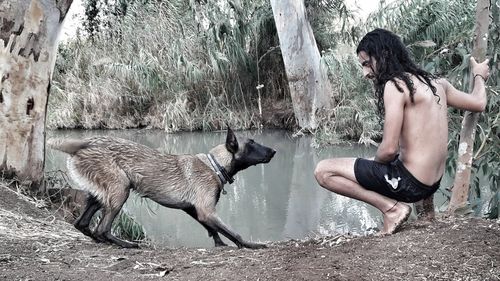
[
  {"x": 107, "y": 168},
  {"x": 68, "y": 146},
  {"x": 223, "y": 156}
]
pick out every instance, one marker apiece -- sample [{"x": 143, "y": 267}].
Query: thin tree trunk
[
  {"x": 460, "y": 189},
  {"x": 309, "y": 85},
  {"x": 28, "y": 47},
  {"x": 425, "y": 208}
]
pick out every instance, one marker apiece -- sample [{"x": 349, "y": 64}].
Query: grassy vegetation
[
  {"x": 125, "y": 227},
  {"x": 158, "y": 67},
  {"x": 181, "y": 65},
  {"x": 354, "y": 118}
]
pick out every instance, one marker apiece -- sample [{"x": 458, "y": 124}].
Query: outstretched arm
[{"x": 476, "y": 101}]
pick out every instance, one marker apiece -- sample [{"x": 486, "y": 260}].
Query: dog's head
[{"x": 245, "y": 154}]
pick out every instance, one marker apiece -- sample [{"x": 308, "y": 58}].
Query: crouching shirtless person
[{"x": 410, "y": 160}]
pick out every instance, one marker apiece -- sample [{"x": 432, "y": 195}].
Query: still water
[{"x": 277, "y": 201}]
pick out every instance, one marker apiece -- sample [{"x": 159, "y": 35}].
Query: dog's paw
[
  {"x": 128, "y": 245},
  {"x": 85, "y": 230},
  {"x": 252, "y": 245},
  {"x": 98, "y": 238}
]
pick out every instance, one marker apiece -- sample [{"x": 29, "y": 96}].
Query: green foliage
[
  {"x": 331, "y": 19},
  {"x": 125, "y": 227},
  {"x": 354, "y": 117},
  {"x": 92, "y": 22}
]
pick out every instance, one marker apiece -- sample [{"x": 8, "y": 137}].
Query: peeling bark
[
  {"x": 309, "y": 85},
  {"x": 460, "y": 191},
  {"x": 28, "y": 32}
]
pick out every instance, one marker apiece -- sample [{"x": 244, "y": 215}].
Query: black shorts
[{"x": 392, "y": 180}]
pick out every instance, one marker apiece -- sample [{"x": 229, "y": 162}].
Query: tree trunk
[
  {"x": 425, "y": 208},
  {"x": 28, "y": 47},
  {"x": 460, "y": 189},
  {"x": 309, "y": 85}
]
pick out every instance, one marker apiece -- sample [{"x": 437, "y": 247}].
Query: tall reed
[{"x": 158, "y": 67}]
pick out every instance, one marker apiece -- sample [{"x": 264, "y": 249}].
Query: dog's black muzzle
[{"x": 269, "y": 156}]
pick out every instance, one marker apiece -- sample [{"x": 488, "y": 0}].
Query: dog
[{"x": 109, "y": 167}]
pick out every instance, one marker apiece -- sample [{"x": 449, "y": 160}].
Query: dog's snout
[{"x": 272, "y": 152}]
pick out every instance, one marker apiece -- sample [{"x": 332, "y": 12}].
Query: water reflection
[{"x": 272, "y": 202}]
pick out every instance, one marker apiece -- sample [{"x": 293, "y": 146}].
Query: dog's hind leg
[
  {"x": 211, "y": 232},
  {"x": 82, "y": 223},
  {"x": 109, "y": 213}
]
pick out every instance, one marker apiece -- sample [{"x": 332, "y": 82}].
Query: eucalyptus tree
[
  {"x": 468, "y": 132},
  {"x": 28, "y": 33},
  {"x": 310, "y": 88}
]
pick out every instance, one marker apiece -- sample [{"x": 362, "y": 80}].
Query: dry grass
[
  {"x": 21, "y": 226},
  {"x": 17, "y": 223}
]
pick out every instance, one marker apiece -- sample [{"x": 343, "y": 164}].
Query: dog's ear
[{"x": 231, "y": 141}]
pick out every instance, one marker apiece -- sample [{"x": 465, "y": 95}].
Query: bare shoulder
[
  {"x": 401, "y": 86},
  {"x": 447, "y": 88},
  {"x": 398, "y": 85},
  {"x": 395, "y": 94},
  {"x": 443, "y": 82}
]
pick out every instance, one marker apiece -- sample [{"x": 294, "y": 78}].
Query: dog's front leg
[
  {"x": 216, "y": 223},
  {"x": 211, "y": 232}
]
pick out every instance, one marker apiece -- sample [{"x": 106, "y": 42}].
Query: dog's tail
[{"x": 70, "y": 146}]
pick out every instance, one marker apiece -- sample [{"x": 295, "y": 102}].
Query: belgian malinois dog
[{"x": 108, "y": 168}]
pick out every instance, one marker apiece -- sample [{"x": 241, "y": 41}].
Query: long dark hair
[{"x": 393, "y": 61}]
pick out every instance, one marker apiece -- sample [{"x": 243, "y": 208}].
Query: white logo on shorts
[{"x": 393, "y": 182}]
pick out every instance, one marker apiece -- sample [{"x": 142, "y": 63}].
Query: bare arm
[
  {"x": 476, "y": 101},
  {"x": 394, "y": 103}
]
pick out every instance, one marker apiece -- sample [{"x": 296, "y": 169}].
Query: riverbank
[{"x": 35, "y": 244}]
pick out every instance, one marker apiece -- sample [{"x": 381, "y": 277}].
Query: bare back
[{"x": 424, "y": 133}]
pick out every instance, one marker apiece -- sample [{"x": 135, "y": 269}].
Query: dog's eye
[{"x": 251, "y": 141}]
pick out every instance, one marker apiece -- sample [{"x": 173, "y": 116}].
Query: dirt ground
[{"x": 37, "y": 245}]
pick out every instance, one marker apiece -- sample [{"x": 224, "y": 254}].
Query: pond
[{"x": 277, "y": 201}]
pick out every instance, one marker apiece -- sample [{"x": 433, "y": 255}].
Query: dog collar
[{"x": 219, "y": 170}]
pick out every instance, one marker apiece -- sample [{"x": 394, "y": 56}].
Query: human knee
[{"x": 322, "y": 171}]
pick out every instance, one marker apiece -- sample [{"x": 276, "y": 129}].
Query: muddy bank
[{"x": 35, "y": 244}]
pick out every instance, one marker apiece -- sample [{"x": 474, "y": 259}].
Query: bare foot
[{"x": 394, "y": 218}]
